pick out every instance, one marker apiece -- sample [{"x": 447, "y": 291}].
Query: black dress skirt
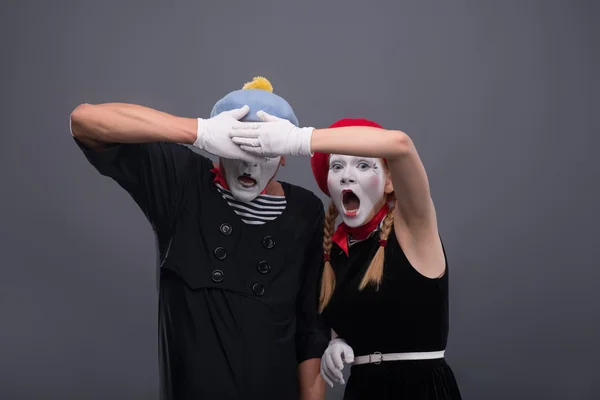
[{"x": 409, "y": 313}]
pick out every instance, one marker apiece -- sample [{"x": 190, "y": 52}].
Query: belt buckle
[{"x": 377, "y": 353}]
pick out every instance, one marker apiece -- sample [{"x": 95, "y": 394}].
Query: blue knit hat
[{"x": 258, "y": 95}]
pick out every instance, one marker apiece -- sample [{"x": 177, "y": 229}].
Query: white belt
[{"x": 378, "y": 358}]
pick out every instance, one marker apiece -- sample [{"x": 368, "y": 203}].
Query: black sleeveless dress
[{"x": 409, "y": 313}]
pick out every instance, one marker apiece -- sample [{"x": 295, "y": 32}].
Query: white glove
[
  {"x": 332, "y": 362},
  {"x": 213, "y": 136},
  {"x": 272, "y": 138}
]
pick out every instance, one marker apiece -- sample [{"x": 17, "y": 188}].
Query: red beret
[{"x": 320, "y": 161}]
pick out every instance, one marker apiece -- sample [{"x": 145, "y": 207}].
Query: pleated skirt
[{"x": 403, "y": 380}]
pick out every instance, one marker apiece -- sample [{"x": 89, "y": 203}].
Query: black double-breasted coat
[{"x": 237, "y": 302}]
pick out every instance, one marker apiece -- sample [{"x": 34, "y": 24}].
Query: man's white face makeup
[
  {"x": 247, "y": 180},
  {"x": 356, "y": 185}
]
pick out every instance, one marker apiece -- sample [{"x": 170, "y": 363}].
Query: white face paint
[
  {"x": 356, "y": 185},
  {"x": 247, "y": 180}
]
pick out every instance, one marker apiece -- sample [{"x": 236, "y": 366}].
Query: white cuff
[
  {"x": 305, "y": 136},
  {"x": 199, "y": 133},
  {"x": 336, "y": 340}
]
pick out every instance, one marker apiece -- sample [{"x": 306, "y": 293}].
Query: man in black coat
[{"x": 240, "y": 253}]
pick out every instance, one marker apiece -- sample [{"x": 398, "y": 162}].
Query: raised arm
[
  {"x": 415, "y": 216},
  {"x": 97, "y": 126},
  {"x": 415, "y": 220},
  {"x": 110, "y": 123},
  {"x": 406, "y": 169}
]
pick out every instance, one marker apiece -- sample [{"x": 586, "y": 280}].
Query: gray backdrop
[{"x": 500, "y": 97}]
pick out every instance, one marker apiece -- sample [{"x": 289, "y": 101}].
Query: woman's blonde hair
[{"x": 373, "y": 275}]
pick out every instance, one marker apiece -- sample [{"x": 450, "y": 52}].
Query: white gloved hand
[
  {"x": 272, "y": 138},
  {"x": 332, "y": 361},
  {"x": 213, "y": 136}
]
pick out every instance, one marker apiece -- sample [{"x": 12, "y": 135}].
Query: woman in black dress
[{"x": 384, "y": 289}]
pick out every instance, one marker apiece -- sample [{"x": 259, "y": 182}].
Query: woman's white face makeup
[
  {"x": 247, "y": 180},
  {"x": 356, "y": 185}
]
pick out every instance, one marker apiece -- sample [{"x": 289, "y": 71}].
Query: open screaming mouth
[
  {"x": 351, "y": 203},
  {"x": 246, "y": 181}
]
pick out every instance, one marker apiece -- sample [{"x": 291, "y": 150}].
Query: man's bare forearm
[
  {"x": 312, "y": 386},
  {"x": 108, "y": 123}
]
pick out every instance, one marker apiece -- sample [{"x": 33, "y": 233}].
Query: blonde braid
[
  {"x": 328, "y": 278},
  {"x": 374, "y": 273}
]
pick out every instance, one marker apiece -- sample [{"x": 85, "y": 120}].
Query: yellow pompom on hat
[
  {"x": 260, "y": 83},
  {"x": 258, "y": 95}
]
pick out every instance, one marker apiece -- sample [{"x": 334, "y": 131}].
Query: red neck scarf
[
  {"x": 220, "y": 179},
  {"x": 340, "y": 237}
]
